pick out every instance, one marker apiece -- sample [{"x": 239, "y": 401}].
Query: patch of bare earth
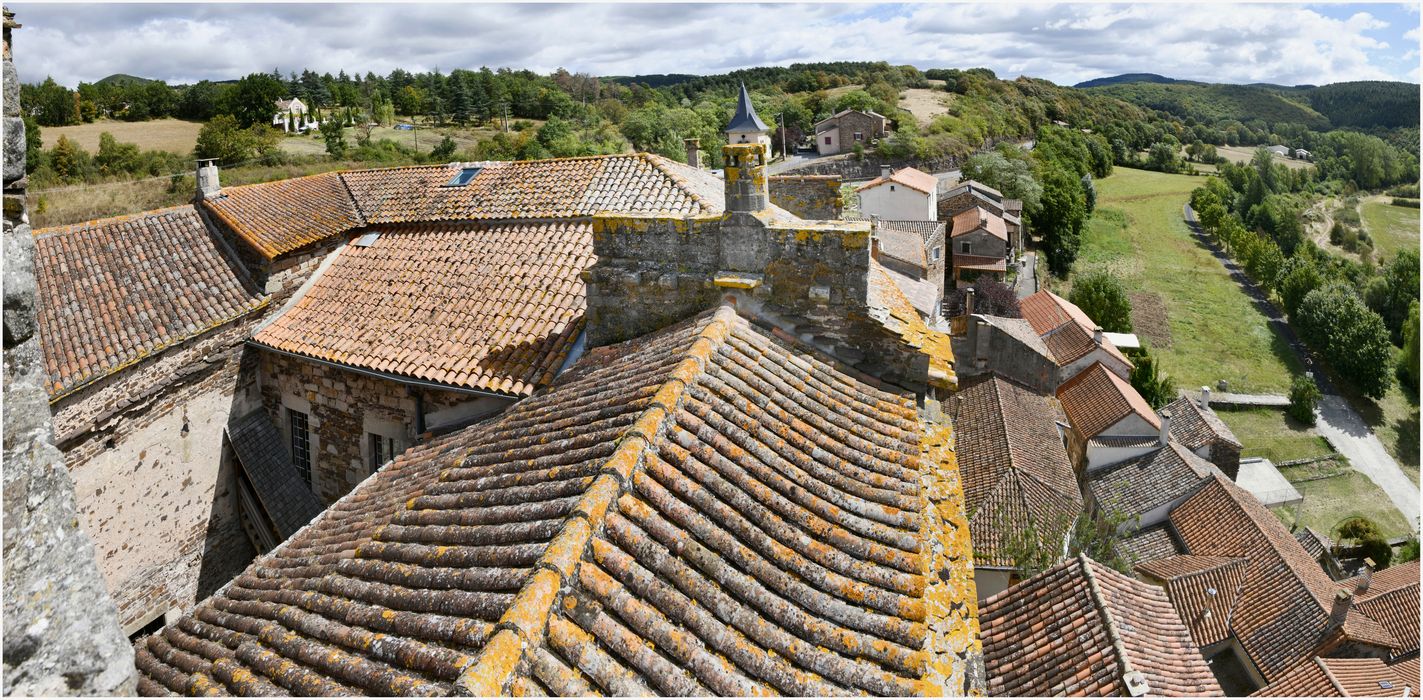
[
  {"x": 924, "y": 104},
  {"x": 1149, "y": 319}
]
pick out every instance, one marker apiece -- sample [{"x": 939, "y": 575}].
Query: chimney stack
[
  {"x": 694, "y": 153},
  {"x": 1206, "y": 397},
  {"x": 968, "y": 302},
  {"x": 1097, "y": 336},
  {"x": 208, "y": 185},
  {"x": 1365, "y": 578},
  {"x": 1342, "y": 601},
  {"x": 885, "y": 171},
  {"x": 747, "y": 189},
  {"x": 1165, "y": 427}
]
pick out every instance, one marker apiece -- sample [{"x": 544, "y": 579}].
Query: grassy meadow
[
  {"x": 1392, "y": 228},
  {"x": 1269, "y": 433}
]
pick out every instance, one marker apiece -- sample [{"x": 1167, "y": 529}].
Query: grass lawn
[
  {"x": 1269, "y": 433},
  {"x": 1391, "y": 228},
  {"x": 1212, "y": 331},
  {"x": 1328, "y": 501},
  {"x": 173, "y": 135}
]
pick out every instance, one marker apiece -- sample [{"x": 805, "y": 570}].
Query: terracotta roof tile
[
  {"x": 1065, "y": 327},
  {"x": 701, "y": 510},
  {"x": 909, "y": 177},
  {"x": 902, "y": 318},
  {"x": 976, "y": 219},
  {"x": 1096, "y": 399},
  {"x": 282, "y": 216},
  {"x": 1283, "y": 613},
  {"x": 963, "y": 261},
  {"x": 1339, "y": 678},
  {"x": 1408, "y": 671},
  {"x": 1149, "y": 543},
  {"x": 1202, "y": 589},
  {"x": 1392, "y": 600},
  {"x": 495, "y": 307},
  {"x": 1141, "y": 484},
  {"x": 1196, "y": 427},
  {"x": 114, "y": 291},
  {"x": 1078, "y": 628},
  {"x": 1016, "y": 473}
]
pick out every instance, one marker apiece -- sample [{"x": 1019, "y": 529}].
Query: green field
[
  {"x": 1269, "y": 433},
  {"x": 1200, "y": 323},
  {"x": 1329, "y": 501},
  {"x": 1391, "y": 228}
]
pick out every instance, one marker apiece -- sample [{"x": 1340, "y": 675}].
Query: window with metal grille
[
  {"x": 301, "y": 444},
  {"x": 383, "y": 449}
]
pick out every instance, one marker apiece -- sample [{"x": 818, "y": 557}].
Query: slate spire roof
[
  {"x": 745, "y": 118},
  {"x": 701, "y": 510}
]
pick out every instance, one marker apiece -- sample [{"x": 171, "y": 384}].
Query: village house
[
  {"x": 1080, "y": 629},
  {"x": 967, "y": 194},
  {"x": 1281, "y": 151},
  {"x": 1197, "y": 427},
  {"x": 292, "y": 115},
  {"x": 1007, "y": 347},
  {"x": 1343, "y": 678},
  {"x": 844, "y": 130},
  {"x": 906, "y": 194},
  {"x": 913, "y": 253},
  {"x": 979, "y": 246},
  {"x": 1075, "y": 340},
  {"x": 1020, "y": 491},
  {"x": 1110, "y": 421},
  {"x": 1141, "y": 490}
]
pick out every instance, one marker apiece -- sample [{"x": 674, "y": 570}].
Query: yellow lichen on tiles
[{"x": 493, "y": 667}]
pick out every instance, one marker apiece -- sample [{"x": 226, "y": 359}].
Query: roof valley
[{"x": 1130, "y": 677}]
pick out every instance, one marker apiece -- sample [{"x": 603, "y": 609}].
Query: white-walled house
[
  {"x": 903, "y": 195},
  {"x": 292, "y": 115}
]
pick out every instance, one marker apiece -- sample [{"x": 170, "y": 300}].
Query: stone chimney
[
  {"x": 1206, "y": 398},
  {"x": 694, "y": 153},
  {"x": 747, "y": 189},
  {"x": 208, "y": 185},
  {"x": 968, "y": 302},
  {"x": 1165, "y": 427},
  {"x": 1365, "y": 578},
  {"x": 1342, "y": 601},
  {"x": 1097, "y": 336},
  {"x": 885, "y": 171}
]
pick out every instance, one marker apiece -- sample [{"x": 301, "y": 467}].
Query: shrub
[
  {"x": 1304, "y": 396},
  {"x": 1101, "y": 297},
  {"x": 1400, "y": 202},
  {"x": 1369, "y": 540},
  {"x": 1155, "y": 386},
  {"x": 991, "y": 297}
]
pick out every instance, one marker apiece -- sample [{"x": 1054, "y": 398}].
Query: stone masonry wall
[
  {"x": 153, "y": 482},
  {"x": 338, "y": 404},
  {"x": 62, "y": 636},
  {"x": 808, "y": 196}
]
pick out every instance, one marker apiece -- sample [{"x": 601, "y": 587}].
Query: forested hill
[
  {"x": 1362, "y": 105},
  {"x": 1128, "y": 78}
]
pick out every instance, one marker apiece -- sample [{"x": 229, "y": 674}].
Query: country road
[{"x": 1337, "y": 421}]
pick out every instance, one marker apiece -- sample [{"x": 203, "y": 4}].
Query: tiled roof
[
  {"x": 1016, "y": 473},
  {"x": 1392, "y": 600},
  {"x": 1141, "y": 484},
  {"x": 1202, "y": 589},
  {"x": 1339, "y": 678},
  {"x": 1196, "y": 427},
  {"x": 1096, "y": 399},
  {"x": 902, "y": 244},
  {"x": 495, "y": 307},
  {"x": 978, "y": 218},
  {"x": 701, "y": 510},
  {"x": 1148, "y": 543},
  {"x": 1283, "y": 612},
  {"x": 1408, "y": 671},
  {"x": 922, "y": 293},
  {"x": 1012, "y": 205},
  {"x": 1047, "y": 311},
  {"x": 282, "y": 216},
  {"x": 963, "y": 261},
  {"x": 1313, "y": 542},
  {"x": 900, "y": 316},
  {"x": 1079, "y": 628},
  {"x": 114, "y": 291},
  {"x": 1022, "y": 331},
  {"x": 974, "y": 185},
  {"x": 263, "y": 455},
  {"x": 909, "y": 177}
]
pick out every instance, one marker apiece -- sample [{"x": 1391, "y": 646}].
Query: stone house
[
  {"x": 1007, "y": 347},
  {"x": 724, "y": 346},
  {"x": 842, "y": 131},
  {"x": 1201, "y": 431},
  {"x": 968, "y": 194},
  {"x": 1110, "y": 421},
  {"x": 915, "y": 252},
  {"x": 1074, "y": 339},
  {"x": 979, "y": 246},
  {"x": 906, "y": 194},
  {"x": 292, "y": 115}
]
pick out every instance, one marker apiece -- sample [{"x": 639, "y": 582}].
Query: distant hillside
[
  {"x": 652, "y": 80},
  {"x": 1368, "y": 103},
  {"x": 1215, "y": 103},
  {"x": 1131, "y": 78},
  {"x": 122, "y": 79}
]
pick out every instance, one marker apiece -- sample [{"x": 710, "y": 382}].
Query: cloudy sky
[{"x": 1066, "y": 43}]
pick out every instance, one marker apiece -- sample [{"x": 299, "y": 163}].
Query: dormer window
[{"x": 463, "y": 178}]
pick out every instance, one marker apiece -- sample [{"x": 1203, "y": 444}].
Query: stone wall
[
  {"x": 343, "y": 407},
  {"x": 153, "y": 481},
  {"x": 987, "y": 348},
  {"x": 62, "y": 636},
  {"x": 808, "y": 196}
]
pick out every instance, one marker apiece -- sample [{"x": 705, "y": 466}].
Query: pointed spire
[{"x": 745, "y": 119}]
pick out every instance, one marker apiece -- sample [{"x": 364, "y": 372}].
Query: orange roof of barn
[
  {"x": 1079, "y": 628},
  {"x": 114, "y": 291},
  {"x": 912, "y": 178},
  {"x": 704, "y": 510},
  {"x": 978, "y": 218},
  {"x": 1282, "y": 613},
  {"x": 495, "y": 307},
  {"x": 1096, "y": 399}
]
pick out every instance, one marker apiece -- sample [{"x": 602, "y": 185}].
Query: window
[
  {"x": 966, "y": 248},
  {"x": 859, "y": 136},
  {"x": 383, "y": 449},
  {"x": 301, "y": 444},
  {"x": 463, "y": 178},
  {"x": 891, "y": 188},
  {"x": 937, "y": 252},
  {"x": 827, "y": 140}
]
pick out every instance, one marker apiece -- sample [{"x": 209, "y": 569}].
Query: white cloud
[{"x": 1064, "y": 43}]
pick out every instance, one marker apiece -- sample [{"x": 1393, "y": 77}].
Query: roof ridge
[
  {"x": 525, "y": 623},
  {"x": 1113, "y": 634},
  {"x": 1330, "y": 676},
  {"x": 61, "y": 229},
  {"x": 681, "y": 182}
]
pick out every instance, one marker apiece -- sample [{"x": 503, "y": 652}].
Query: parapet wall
[{"x": 808, "y": 196}]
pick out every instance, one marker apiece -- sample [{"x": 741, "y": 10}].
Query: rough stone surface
[
  {"x": 808, "y": 196},
  {"x": 62, "y": 636}
]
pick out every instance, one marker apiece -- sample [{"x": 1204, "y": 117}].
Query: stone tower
[{"x": 745, "y": 126}]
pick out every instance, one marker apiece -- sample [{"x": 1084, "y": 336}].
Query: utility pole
[{"x": 785, "y": 155}]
